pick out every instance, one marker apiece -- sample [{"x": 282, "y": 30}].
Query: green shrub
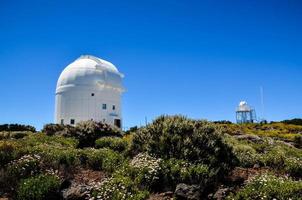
[
  {"x": 13, "y": 135},
  {"x": 101, "y": 159},
  {"x": 4, "y": 135},
  {"x": 86, "y": 132},
  {"x": 195, "y": 174},
  {"x": 145, "y": 171},
  {"x": 298, "y": 141},
  {"x": 163, "y": 175},
  {"x": 175, "y": 171},
  {"x": 290, "y": 151},
  {"x": 119, "y": 188},
  {"x": 295, "y": 121},
  {"x": 7, "y": 152},
  {"x": 284, "y": 159},
  {"x": 293, "y": 166},
  {"x": 131, "y": 130},
  {"x": 39, "y": 187},
  {"x": 53, "y": 150},
  {"x": 19, "y": 135},
  {"x": 274, "y": 158},
  {"x": 17, "y": 127},
  {"x": 246, "y": 155},
  {"x": 56, "y": 141},
  {"x": 114, "y": 143},
  {"x": 89, "y": 131},
  {"x": 274, "y": 130},
  {"x": 181, "y": 138},
  {"x": 269, "y": 187},
  {"x": 53, "y": 129},
  {"x": 262, "y": 147},
  {"x": 52, "y": 156},
  {"x": 276, "y": 155},
  {"x": 22, "y": 168}
]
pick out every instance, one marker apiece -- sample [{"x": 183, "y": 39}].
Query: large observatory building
[{"x": 89, "y": 89}]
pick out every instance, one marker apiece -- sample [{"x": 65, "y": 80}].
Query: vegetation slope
[{"x": 173, "y": 157}]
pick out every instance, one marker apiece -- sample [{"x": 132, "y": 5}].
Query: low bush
[
  {"x": 41, "y": 187},
  {"x": 101, "y": 159},
  {"x": 7, "y": 152},
  {"x": 175, "y": 171},
  {"x": 119, "y": 188},
  {"x": 4, "y": 135},
  {"x": 88, "y": 132},
  {"x": 298, "y": 141},
  {"x": 280, "y": 131},
  {"x": 24, "y": 167},
  {"x": 246, "y": 155},
  {"x": 274, "y": 158},
  {"x": 262, "y": 147},
  {"x": 290, "y": 151},
  {"x": 42, "y": 139},
  {"x": 53, "y": 150},
  {"x": 53, "y": 129},
  {"x": 270, "y": 187},
  {"x": 278, "y": 156},
  {"x": 19, "y": 135},
  {"x": 55, "y": 157},
  {"x": 131, "y": 130},
  {"x": 114, "y": 143},
  {"x": 16, "y": 127},
  {"x": 145, "y": 171},
  {"x": 293, "y": 166},
  {"x": 296, "y": 121},
  {"x": 158, "y": 175},
  {"x": 284, "y": 159},
  {"x": 13, "y": 135}
]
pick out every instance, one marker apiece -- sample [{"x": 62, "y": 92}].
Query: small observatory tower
[
  {"x": 89, "y": 89},
  {"x": 245, "y": 113}
]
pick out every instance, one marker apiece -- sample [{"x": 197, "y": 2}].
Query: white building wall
[{"x": 82, "y": 106}]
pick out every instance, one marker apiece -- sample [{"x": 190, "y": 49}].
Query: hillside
[{"x": 173, "y": 157}]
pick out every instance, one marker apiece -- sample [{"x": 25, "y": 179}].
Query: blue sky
[{"x": 196, "y": 58}]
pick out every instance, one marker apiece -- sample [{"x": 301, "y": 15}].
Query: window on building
[
  {"x": 113, "y": 107},
  {"x": 104, "y": 106},
  {"x": 62, "y": 121},
  {"x": 92, "y": 94},
  {"x": 72, "y": 121},
  {"x": 117, "y": 122}
]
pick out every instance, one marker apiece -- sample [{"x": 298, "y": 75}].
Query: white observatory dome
[
  {"x": 89, "y": 89},
  {"x": 243, "y": 106},
  {"x": 90, "y": 70}
]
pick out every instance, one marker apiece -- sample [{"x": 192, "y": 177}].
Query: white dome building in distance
[
  {"x": 89, "y": 89},
  {"x": 245, "y": 113}
]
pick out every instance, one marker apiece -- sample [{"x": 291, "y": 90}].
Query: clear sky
[{"x": 196, "y": 58}]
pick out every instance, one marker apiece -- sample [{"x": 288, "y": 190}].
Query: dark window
[
  {"x": 72, "y": 121},
  {"x": 113, "y": 107},
  {"x": 117, "y": 122},
  {"x": 62, "y": 121},
  {"x": 92, "y": 94},
  {"x": 104, "y": 106}
]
